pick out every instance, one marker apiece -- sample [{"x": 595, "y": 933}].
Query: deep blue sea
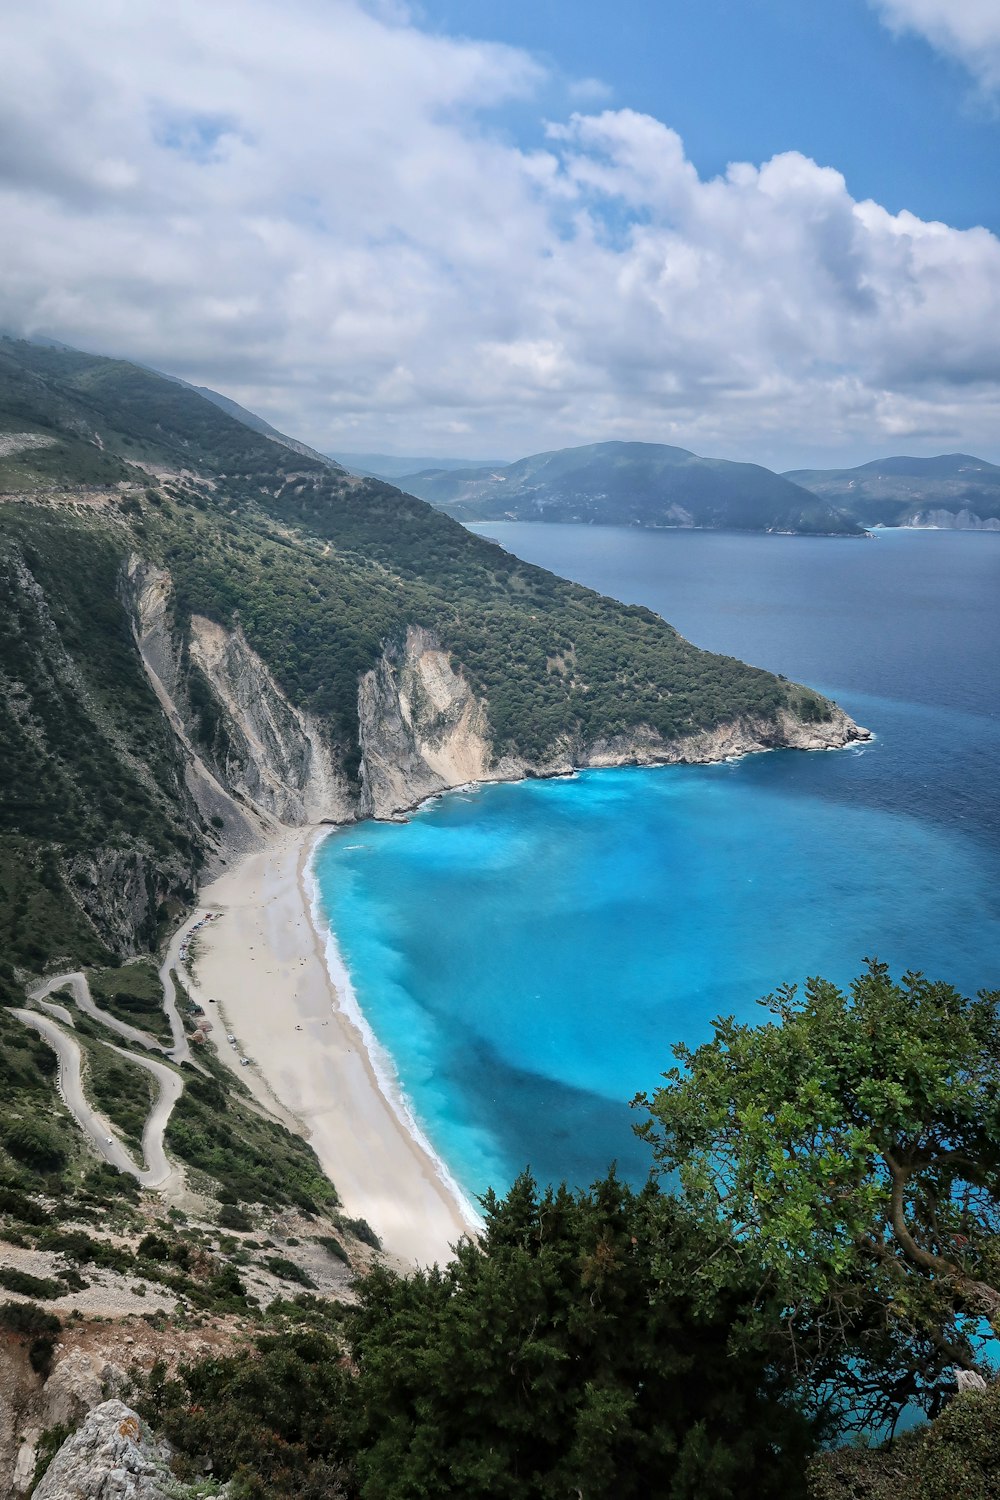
[{"x": 528, "y": 954}]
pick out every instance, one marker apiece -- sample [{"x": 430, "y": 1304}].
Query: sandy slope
[{"x": 261, "y": 972}]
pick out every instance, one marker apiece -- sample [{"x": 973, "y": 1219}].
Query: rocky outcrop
[
  {"x": 423, "y": 731},
  {"x": 269, "y": 764},
  {"x": 120, "y": 890},
  {"x": 939, "y": 519},
  {"x": 421, "y": 728},
  {"x": 113, "y": 1456},
  {"x": 31, "y": 1406},
  {"x": 276, "y": 757}
]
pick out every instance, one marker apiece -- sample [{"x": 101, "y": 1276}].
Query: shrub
[
  {"x": 287, "y": 1270},
  {"x": 28, "y": 1285}
]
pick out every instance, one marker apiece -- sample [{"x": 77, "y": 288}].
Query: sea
[{"x": 527, "y": 955}]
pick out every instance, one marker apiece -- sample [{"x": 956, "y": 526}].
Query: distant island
[
  {"x": 654, "y": 485},
  {"x": 632, "y": 484},
  {"x": 951, "y": 492}
]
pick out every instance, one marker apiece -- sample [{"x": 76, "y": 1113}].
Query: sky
[{"x": 758, "y": 229}]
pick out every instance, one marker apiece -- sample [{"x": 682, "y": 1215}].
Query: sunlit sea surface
[{"x": 528, "y": 954}]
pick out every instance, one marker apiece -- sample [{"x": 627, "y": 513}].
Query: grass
[{"x": 132, "y": 993}]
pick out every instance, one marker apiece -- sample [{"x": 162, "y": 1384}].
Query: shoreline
[
  {"x": 263, "y": 963},
  {"x": 324, "y": 1072}
]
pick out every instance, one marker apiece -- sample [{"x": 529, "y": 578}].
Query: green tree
[
  {"x": 578, "y": 1350},
  {"x": 853, "y": 1147}
]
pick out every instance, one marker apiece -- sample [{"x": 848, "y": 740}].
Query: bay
[{"x": 529, "y": 954}]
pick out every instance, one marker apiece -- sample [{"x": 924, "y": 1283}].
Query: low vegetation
[
  {"x": 132, "y": 993},
  {"x": 216, "y": 1129},
  {"x": 710, "y": 1338}
]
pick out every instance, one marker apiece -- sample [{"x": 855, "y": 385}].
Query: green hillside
[
  {"x": 631, "y": 484},
  {"x": 100, "y": 418},
  {"x": 952, "y": 489},
  {"x": 322, "y": 572}
]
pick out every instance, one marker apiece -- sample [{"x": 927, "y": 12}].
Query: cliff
[
  {"x": 424, "y": 731},
  {"x": 195, "y": 655}
]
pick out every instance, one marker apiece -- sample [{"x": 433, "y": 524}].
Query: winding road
[
  {"x": 78, "y": 987},
  {"x": 97, "y": 1126},
  {"x": 158, "y": 1171}
]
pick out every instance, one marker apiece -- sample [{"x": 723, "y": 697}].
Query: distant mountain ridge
[
  {"x": 951, "y": 490},
  {"x": 632, "y": 484}
]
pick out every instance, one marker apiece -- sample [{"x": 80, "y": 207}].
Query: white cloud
[
  {"x": 316, "y": 211},
  {"x": 968, "y": 30}
]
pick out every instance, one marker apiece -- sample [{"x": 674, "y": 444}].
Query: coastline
[
  {"x": 270, "y": 973},
  {"x": 262, "y": 969}
]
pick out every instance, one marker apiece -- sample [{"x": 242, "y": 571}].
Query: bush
[
  {"x": 26, "y": 1318},
  {"x": 32, "y": 1142},
  {"x": 21, "y": 1207},
  {"x": 231, "y": 1217},
  {"x": 331, "y": 1244},
  {"x": 361, "y": 1230},
  {"x": 28, "y": 1285},
  {"x": 287, "y": 1270}
]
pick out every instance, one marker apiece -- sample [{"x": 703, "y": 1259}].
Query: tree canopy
[
  {"x": 853, "y": 1146},
  {"x": 575, "y": 1350}
]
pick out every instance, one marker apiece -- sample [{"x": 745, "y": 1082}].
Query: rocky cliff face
[
  {"x": 113, "y": 1456},
  {"x": 423, "y": 731},
  {"x": 951, "y": 520},
  {"x": 269, "y": 764},
  {"x": 276, "y": 757}
]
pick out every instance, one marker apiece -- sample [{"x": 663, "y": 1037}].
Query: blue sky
[
  {"x": 754, "y": 228},
  {"x": 741, "y": 80}
]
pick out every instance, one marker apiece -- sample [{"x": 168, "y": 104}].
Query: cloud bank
[
  {"x": 968, "y": 30},
  {"x": 317, "y": 211}
]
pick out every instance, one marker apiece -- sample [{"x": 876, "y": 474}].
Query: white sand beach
[{"x": 261, "y": 968}]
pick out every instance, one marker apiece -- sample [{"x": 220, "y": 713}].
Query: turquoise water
[{"x": 528, "y": 954}]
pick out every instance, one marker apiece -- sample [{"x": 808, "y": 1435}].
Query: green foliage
[
  {"x": 49, "y": 1444},
  {"x": 91, "y": 765},
  {"x": 121, "y": 1090},
  {"x": 957, "y": 1457},
  {"x": 36, "y": 1328},
  {"x": 28, "y": 1285},
  {"x": 331, "y": 1244},
  {"x": 233, "y": 1217},
  {"x": 855, "y": 1147},
  {"x": 77, "y": 1245},
  {"x": 273, "y": 1417},
  {"x": 38, "y": 1137},
  {"x": 26, "y": 1318},
  {"x": 287, "y": 1270},
  {"x": 132, "y": 993},
  {"x": 360, "y": 1228},
  {"x": 576, "y": 1351},
  {"x": 33, "y": 1143},
  {"x": 19, "y": 1206},
  {"x": 212, "y": 1129},
  {"x": 140, "y": 416},
  {"x": 579, "y": 1349}
]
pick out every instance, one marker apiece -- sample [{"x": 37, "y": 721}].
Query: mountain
[
  {"x": 391, "y": 466},
  {"x": 631, "y": 484},
  {"x": 257, "y": 424},
  {"x": 73, "y": 418},
  {"x": 953, "y": 490},
  {"x": 324, "y": 646}
]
